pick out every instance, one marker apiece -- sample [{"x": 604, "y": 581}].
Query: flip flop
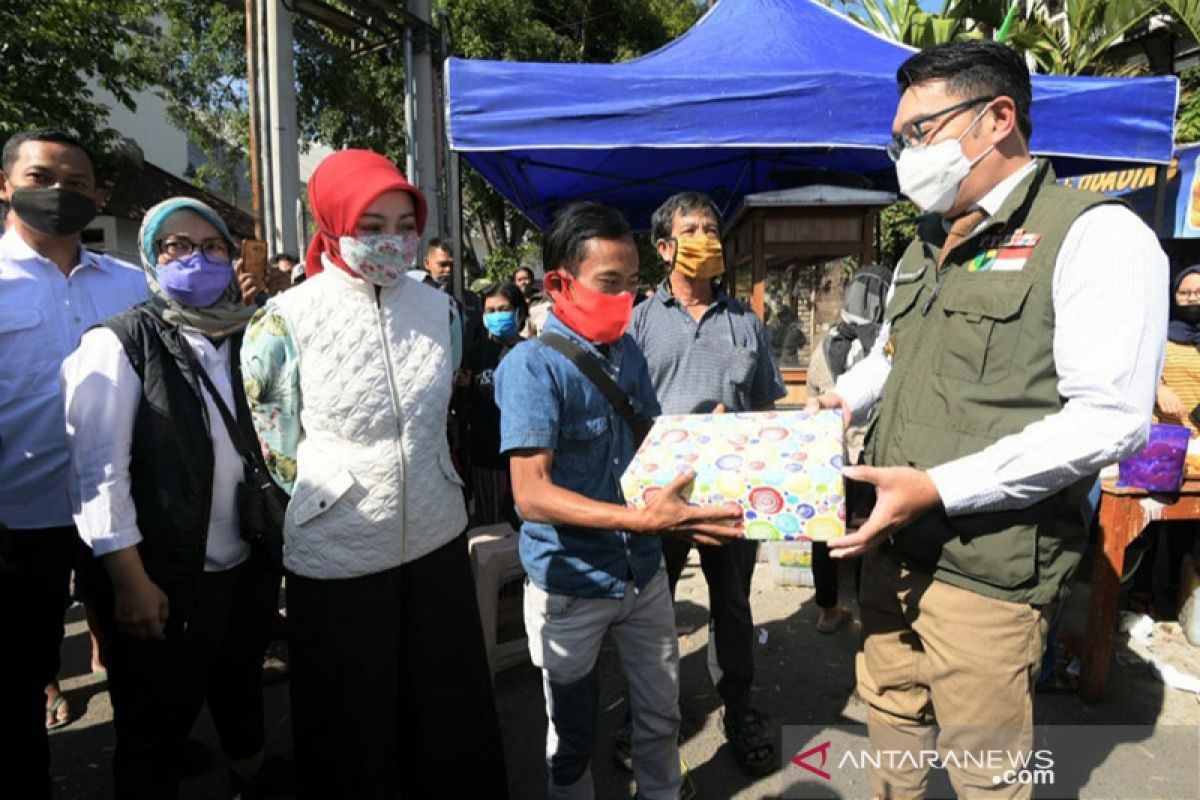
[{"x": 52, "y": 712}]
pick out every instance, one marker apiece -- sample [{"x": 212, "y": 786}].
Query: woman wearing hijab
[
  {"x": 1179, "y": 388},
  {"x": 845, "y": 345},
  {"x": 349, "y": 377},
  {"x": 1178, "y": 396},
  {"x": 184, "y": 606}
]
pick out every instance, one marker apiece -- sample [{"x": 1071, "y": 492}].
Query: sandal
[
  {"x": 58, "y": 713},
  {"x": 839, "y": 616},
  {"x": 750, "y": 742}
]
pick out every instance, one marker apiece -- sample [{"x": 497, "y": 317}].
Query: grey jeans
[{"x": 565, "y": 633}]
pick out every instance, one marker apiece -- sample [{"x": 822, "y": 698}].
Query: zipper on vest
[{"x": 391, "y": 382}]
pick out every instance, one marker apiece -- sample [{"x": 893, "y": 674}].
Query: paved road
[{"x": 803, "y": 678}]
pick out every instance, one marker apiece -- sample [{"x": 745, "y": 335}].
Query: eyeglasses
[
  {"x": 911, "y": 134},
  {"x": 180, "y": 246},
  {"x": 1185, "y": 295}
]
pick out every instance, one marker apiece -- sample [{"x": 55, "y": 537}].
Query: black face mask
[
  {"x": 54, "y": 211},
  {"x": 444, "y": 281},
  {"x": 1189, "y": 314}
]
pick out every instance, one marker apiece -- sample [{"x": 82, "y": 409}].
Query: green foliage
[
  {"x": 592, "y": 31},
  {"x": 1093, "y": 26},
  {"x": 905, "y": 21},
  {"x": 51, "y": 50},
  {"x": 1187, "y": 116},
  {"x": 653, "y": 269},
  {"x": 201, "y": 65},
  {"x": 1188, "y": 13},
  {"x": 353, "y": 98},
  {"x": 897, "y": 228},
  {"x": 503, "y": 262}
]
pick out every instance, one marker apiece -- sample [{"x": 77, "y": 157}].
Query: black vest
[{"x": 171, "y": 464}]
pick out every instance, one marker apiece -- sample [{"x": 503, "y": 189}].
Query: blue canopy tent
[{"x": 759, "y": 95}]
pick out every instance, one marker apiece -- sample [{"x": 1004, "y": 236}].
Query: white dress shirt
[
  {"x": 102, "y": 394},
  {"x": 43, "y": 314},
  {"x": 1110, "y": 306}
]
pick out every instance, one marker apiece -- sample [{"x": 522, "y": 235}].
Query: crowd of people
[{"x": 182, "y": 435}]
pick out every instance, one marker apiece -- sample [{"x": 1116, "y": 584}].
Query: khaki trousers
[{"x": 935, "y": 653}]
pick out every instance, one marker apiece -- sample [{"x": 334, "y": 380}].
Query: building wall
[{"x": 162, "y": 143}]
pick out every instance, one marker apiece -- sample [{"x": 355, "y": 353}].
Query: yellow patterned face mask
[{"x": 699, "y": 256}]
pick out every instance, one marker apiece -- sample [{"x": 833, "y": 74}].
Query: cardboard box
[{"x": 782, "y": 467}]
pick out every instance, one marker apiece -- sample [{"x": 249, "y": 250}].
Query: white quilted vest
[{"x": 375, "y": 486}]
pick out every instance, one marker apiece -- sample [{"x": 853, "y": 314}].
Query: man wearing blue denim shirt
[{"x": 594, "y": 564}]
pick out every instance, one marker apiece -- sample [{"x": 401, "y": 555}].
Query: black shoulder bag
[
  {"x": 594, "y": 372},
  {"x": 261, "y": 504}
]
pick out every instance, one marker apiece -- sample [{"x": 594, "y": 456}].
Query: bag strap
[
  {"x": 250, "y": 456},
  {"x": 594, "y": 371}
]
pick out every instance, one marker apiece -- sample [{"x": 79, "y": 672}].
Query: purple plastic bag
[{"x": 1159, "y": 466}]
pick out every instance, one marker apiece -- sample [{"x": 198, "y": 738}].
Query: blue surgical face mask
[
  {"x": 195, "y": 279},
  {"x": 501, "y": 324}
]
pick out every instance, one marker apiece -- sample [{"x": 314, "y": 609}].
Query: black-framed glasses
[
  {"x": 911, "y": 134},
  {"x": 180, "y": 246},
  {"x": 1188, "y": 295}
]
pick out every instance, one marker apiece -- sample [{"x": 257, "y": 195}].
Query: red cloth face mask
[{"x": 595, "y": 316}]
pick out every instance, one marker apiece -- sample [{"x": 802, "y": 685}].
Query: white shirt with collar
[
  {"x": 102, "y": 393},
  {"x": 43, "y": 314},
  {"x": 1110, "y": 307}
]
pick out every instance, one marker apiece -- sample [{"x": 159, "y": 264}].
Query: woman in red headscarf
[{"x": 349, "y": 378}]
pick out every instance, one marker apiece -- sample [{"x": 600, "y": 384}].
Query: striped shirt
[
  {"x": 725, "y": 357},
  {"x": 1181, "y": 374},
  {"x": 1110, "y": 310}
]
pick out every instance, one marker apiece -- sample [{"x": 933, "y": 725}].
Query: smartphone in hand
[{"x": 254, "y": 259}]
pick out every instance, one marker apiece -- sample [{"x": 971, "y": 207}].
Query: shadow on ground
[{"x": 803, "y": 677}]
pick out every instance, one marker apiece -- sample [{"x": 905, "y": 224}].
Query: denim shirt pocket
[{"x": 582, "y": 445}]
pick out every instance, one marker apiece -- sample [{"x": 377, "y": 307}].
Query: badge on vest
[{"x": 1005, "y": 253}]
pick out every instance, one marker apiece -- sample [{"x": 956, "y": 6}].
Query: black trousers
[
  {"x": 825, "y": 574},
  {"x": 728, "y": 571},
  {"x": 390, "y": 684},
  {"x": 159, "y": 687},
  {"x": 35, "y": 574}
]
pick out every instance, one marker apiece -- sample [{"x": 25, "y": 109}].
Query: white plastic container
[{"x": 791, "y": 562}]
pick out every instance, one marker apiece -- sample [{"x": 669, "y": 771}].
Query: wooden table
[{"x": 1124, "y": 514}]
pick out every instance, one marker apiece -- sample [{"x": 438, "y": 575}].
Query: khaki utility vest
[{"x": 972, "y": 348}]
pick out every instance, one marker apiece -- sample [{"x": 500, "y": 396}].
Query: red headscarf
[{"x": 340, "y": 190}]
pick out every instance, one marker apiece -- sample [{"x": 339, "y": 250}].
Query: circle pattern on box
[
  {"x": 766, "y": 500},
  {"x": 782, "y": 468}
]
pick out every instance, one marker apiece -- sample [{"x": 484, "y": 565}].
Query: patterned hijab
[{"x": 223, "y": 317}]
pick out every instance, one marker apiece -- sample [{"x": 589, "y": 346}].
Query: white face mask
[{"x": 930, "y": 175}]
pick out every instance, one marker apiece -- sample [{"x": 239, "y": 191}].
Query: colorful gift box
[{"x": 784, "y": 468}]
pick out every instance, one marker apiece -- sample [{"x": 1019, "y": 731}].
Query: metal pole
[
  {"x": 454, "y": 202},
  {"x": 424, "y": 130},
  {"x": 251, "y": 81},
  {"x": 453, "y": 189},
  {"x": 410, "y": 110},
  {"x": 1160, "y": 202},
  {"x": 285, "y": 176},
  {"x": 266, "y": 164},
  {"x": 301, "y": 229}
]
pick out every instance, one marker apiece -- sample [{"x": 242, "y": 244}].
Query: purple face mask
[{"x": 195, "y": 280}]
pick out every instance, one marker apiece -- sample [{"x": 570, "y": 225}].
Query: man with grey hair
[{"x": 707, "y": 352}]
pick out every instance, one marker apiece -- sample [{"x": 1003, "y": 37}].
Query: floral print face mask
[{"x": 381, "y": 258}]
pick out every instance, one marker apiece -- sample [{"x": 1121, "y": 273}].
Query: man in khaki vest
[{"x": 1022, "y": 342}]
